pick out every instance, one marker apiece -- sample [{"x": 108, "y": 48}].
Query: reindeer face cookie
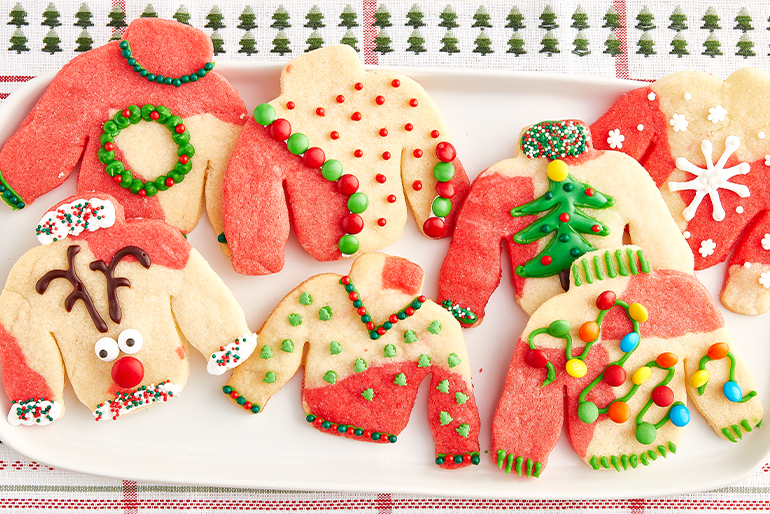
[
  {"x": 153, "y": 122},
  {"x": 340, "y": 153},
  {"x": 113, "y": 302},
  {"x": 704, "y": 142}
]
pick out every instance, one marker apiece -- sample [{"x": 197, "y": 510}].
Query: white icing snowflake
[
  {"x": 764, "y": 279},
  {"x": 717, "y": 114},
  {"x": 710, "y": 180},
  {"x": 766, "y": 242},
  {"x": 615, "y": 139},
  {"x": 651, "y": 97},
  {"x": 679, "y": 123},
  {"x": 707, "y": 247}
]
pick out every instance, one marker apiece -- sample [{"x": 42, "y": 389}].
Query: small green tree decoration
[
  {"x": 450, "y": 43},
  {"x": 248, "y": 44},
  {"x": 448, "y": 18},
  {"x": 711, "y": 20},
  {"x": 581, "y": 45},
  {"x": 117, "y": 18},
  {"x": 548, "y": 19},
  {"x": 382, "y": 42},
  {"x": 84, "y": 17},
  {"x": 247, "y": 19},
  {"x": 483, "y": 44},
  {"x": 182, "y": 15},
  {"x": 351, "y": 40},
  {"x": 516, "y": 45},
  {"x": 481, "y": 18},
  {"x": 214, "y": 20},
  {"x": 84, "y": 41},
  {"x": 281, "y": 19},
  {"x": 644, "y": 19},
  {"x": 18, "y": 16},
  {"x": 678, "y": 19},
  {"x": 117, "y": 35},
  {"x": 646, "y": 45},
  {"x": 414, "y": 17},
  {"x": 51, "y": 42},
  {"x": 712, "y": 45},
  {"x": 348, "y": 17},
  {"x": 382, "y": 17},
  {"x": 612, "y": 45},
  {"x": 550, "y": 45},
  {"x": 611, "y": 19},
  {"x": 281, "y": 44},
  {"x": 745, "y": 47},
  {"x": 18, "y": 42},
  {"x": 148, "y": 12},
  {"x": 579, "y": 19},
  {"x": 315, "y": 19},
  {"x": 218, "y": 42},
  {"x": 515, "y": 19},
  {"x": 416, "y": 42},
  {"x": 51, "y": 17},
  {"x": 679, "y": 45},
  {"x": 314, "y": 42},
  {"x": 743, "y": 20}
]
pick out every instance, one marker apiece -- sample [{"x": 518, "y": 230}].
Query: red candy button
[
  {"x": 434, "y": 227},
  {"x": 127, "y": 372},
  {"x": 347, "y": 184}
]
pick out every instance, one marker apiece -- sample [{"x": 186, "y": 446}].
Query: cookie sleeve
[
  {"x": 629, "y": 125},
  {"x": 747, "y": 284}
]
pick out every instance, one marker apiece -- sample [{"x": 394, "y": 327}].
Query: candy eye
[
  {"x": 130, "y": 341},
  {"x": 106, "y": 349}
]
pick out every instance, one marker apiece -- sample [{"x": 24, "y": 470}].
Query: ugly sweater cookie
[
  {"x": 556, "y": 200},
  {"x": 114, "y": 302},
  {"x": 705, "y": 143},
  {"x": 615, "y": 359},
  {"x": 154, "y": 125},
  {"x": 367, "y": 340},
  {"x": 339, "y": 155}
]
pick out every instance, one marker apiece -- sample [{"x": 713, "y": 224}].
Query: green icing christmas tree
[
  {"x": 84, "y": 41},
  {"x": 612, "y": 45},
  {"x": 515, "y": 19},
  {"x": 416, "y": 42},
  {"x": 281, "y": 44},
  {"x": 248, "y": 44},
  {"x": 745, "y": 47},
  {"x": 218, "y": 43},
  {"x": 182, "y": 15},
  {"x": 481, "y": 18},
  {"x": 646, "y": 45},
  {"x": 743, "y": 20},
  {"x": 247, "y": 19},
  {"x": 449, "y": 43},
  {"x": 581, "y": 45},
  {"x": 280, "y": 19},
  {"x": 483, "y": 44},
  {"x": 679, "y": 45},
  {"x": 579, "y": 19},
  {"x": 51, "y": 18},
  {"x": 148, "y": 12},
  {"x": 382, "y": 42},
  {"x": 117, "y": 18},
  {"x": 51, "y": 42},
  {"x": 712, "y": 45},
  {"x": 548, "y": 19},
  {"x": 18, "y": 16},
  {"x": 348, "y": 18},
  {"x": 611, "y": 19},
  {"x": 448, "y": 18},
  {"x": 314, "y": 42},
  {"x": 644, "y": 20},
  {"x": 516, "y": 45},
  {"x": 18, "y": 42},
  {"x": 414, "y": 17},
  {"x": 549, "y": 44},
  {"x": 381, "y": 17},
  {"x": 315, "y": 19},
  {"x": 84, "y": 17},
  {"x": 678, "y": 20},
  {"x": 711, "y": 20},
  {"x": 214, "y": 21},
  {"x": 351, "y": 40}
]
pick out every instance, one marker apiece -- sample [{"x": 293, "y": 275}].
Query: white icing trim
[
  {"x": 28, "y": 418},
  {"x": 679, "y": 123},
  {"x": 231, "y": 355},
  {"x": 73, "y": 218},
  {"x": 104, "y": 411},
  {"x": 717, "y": 114}
]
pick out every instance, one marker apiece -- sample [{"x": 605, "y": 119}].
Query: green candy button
[
  {"x": 331, "y": 170},
  {"x": 348, "y": 244},
  {"x": 441, "y": 207},
  {"x": 298, "y": 143},
  {"x": 358, "y": 202},
  {"x": 264, "y": 114},
  {"x": 444, "y": 171}
]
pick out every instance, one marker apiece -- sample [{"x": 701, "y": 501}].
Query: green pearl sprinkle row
[
  {"x": 125, "y": 48},
  {"x": 10, "y": 196}
]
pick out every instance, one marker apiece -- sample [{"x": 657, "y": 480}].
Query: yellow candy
[
  {"x": 557, "y": 170},
  {"x": 576, "y": 368},
  {"x": 699, "y": 378},
  {"x": 638, "y": 312},
  {"x": 641, "y": 375}
]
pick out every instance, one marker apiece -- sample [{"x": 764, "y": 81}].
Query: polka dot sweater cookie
[
  {"x": 367, "y": 340},
  {"x": 614, "y": 359},
  {"x": 114, "y": 303},
  {"x": 558, "y": 199},
  {"x": 152, "y": 121},
  {"x": 705, "y": 143},
  {"x": 338, "y": 155}
]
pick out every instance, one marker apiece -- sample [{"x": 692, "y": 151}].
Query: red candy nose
[{"x": 128, "y": 372}]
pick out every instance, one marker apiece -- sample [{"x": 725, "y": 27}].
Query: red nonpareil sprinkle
[
  {"x": 382, "y": 222},
  {"x": 356, "y": 116},
  {"x": 318, "y": 421},
  {"x": 380, "y": 100},
  {"x": 353, "y": 296},
  {"x": 589, "y": 192},
  {"x": 154, "y": 115},
  {"x": 351, "y": 430},
  {"x": 345, "y": 280},
  {"x": 126, "y": 113},
  {"x": 434, "y": 134},
  {"x": 247, "y": 405},
  {"x": 408, "y": 127},
  {"x": 170, "y": 182},
  {"x": 392, "y": 198},
  {"x": 334, "y": 134},
  {"x": 142, "y": 193},
  {"x": 413, "y": 102},
  {"x": 383, "y": 132},
  {"x": 386, "y": 155},
  {"x": 380, "y": 178},
  {"x": 381, "y": 331},
  {"x": 422, "y": 299},
  {"x": 184, "y": 159},
  {"x": 118, "y": 179},
  {"x": 108, "y": 146},
  {"x": 417, "y": 185},
  {"x": 409, "y": 311},
  {"x": 367, "y": 433},
  {"x": 234, "y": 395},
  {"x": 320, "y": 111},
  {"x": 359, "y": 86},
  {"x": 290, "y": 105},
  {"x": 564, "y": 217},
  {"x": 359, "y": 153},
  {"x": 370, "y": 325},
  {"x": 417, "y": 153},
  {"x": 340, "y": 99},
  {"x": 361, "y": 311},
  {"x": 596, "y": 228},
  {"x": 179, "y": 129},
  {"x": 393, "y": 318},
  {"x": 546, "y": 260},
  {"x": 395, "y": 83}
]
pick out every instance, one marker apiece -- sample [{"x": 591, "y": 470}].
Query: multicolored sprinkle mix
[
  {"x": 145, "y": 395},
  {"x": 231, "y": 355},
  {"x": 34, "y": 412},
  {"x": 74, "y": 218},
  {"x": 555, "y": 140}
]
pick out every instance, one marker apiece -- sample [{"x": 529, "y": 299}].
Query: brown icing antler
[
  {"x": 79, "y": 291},
  {"x": 114, "y": 282}
]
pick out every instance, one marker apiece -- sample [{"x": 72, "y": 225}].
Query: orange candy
[
  {"x": 619, "y": 411},
  {"x": 718, "y": 351},
  {"x": 667, "y": 360},
  {"x": 589, "y": 331}
]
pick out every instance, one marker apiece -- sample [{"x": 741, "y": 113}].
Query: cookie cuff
[
  {"x": 231, "y": 355},
  {"x": 9, "y": 196}
]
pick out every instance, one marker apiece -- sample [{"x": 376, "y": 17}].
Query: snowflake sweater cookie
[
  {"x": 367, "y": 340},
  {"x": 154, "y": 125},
  {"x": 114, "y": 302},
  {"x": 558, "y": 199},
  {"x": 615, "y": 358},
  {"x": 705, "y": 143},
  {"x": 339, "y": 155}
]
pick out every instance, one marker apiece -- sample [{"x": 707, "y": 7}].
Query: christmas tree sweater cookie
[
  {"x": 339, "y": 155},
  {"x": 114, "y": 302},
  {"x": 615, "y": 358},
  {"x": 153, "y": 123},
  {"x": 558, "y": 199},
  {"x": 367, "y": 340},
  {"x": 706, "y": 143}
]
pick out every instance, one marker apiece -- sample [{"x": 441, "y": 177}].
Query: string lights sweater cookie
[
  {"x": 616, "y": 358},
  {"x": 153, "y": 123},
  {"x": 115, "y": 302},
  {"x": 367, "y": 340},
  {"x": 339, "y": 154},
  {"x": 558, "y": 199},
  {"x": 706, "y": 144}
]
